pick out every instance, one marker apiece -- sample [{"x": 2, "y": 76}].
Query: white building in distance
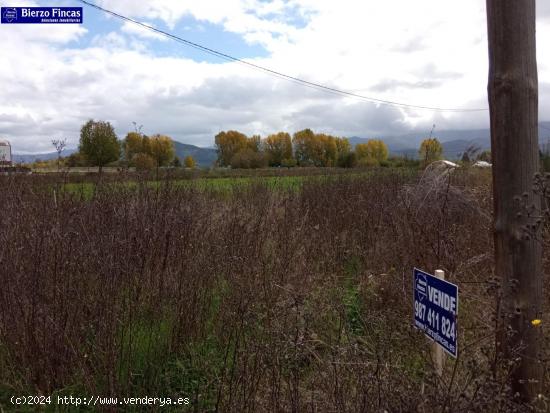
[{"x": 5, "y": 152}]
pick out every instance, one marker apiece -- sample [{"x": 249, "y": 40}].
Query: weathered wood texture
[{"x": 513, "y": 101}]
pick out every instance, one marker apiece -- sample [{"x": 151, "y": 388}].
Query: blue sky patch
[{"x": 207, "y": 34}]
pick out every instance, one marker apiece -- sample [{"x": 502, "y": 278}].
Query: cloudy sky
[{"x": 429, "y": 52}]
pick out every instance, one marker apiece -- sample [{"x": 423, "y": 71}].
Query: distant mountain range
[
  {"x": 203, "y": 156},
  {"x": 454, "y": 144},
  {"x": 452, "y": 149},
  {"x": 33, "y": 157}
]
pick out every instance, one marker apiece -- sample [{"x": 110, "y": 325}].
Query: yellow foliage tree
[
  {"x": 146, "y": 145},
  {"x": 326, "y": 150},
  {"x": 304, "y": 142},
  {"x": 343, "y": 147},
  {"x": 377, "y": 150},
  {"x": 430, "y": 150},
  {"x": 318, "y": 149},
  {"x": 361, "y": 151},
  {"x": 278, "y": 147},
  {"x": 161, "y": 149},
  {"x": 189, "y": 162},
  {"x": 371, "y": 153},
  {"x": 132, "y": 145},
  {"x": 254, "y": 143},
  {"x": 229, "y": 144},
  {"x": 346, "y": 157}
]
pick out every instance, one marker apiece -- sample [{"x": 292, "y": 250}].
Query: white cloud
[
  {"x": 427, "y": 53},
  {"x": 257, "y": 19},
  {"x": 38, "y": 34}
]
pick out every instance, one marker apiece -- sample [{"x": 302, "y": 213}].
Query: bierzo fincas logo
[
  {"x": 41, "y": 15},
  {"x": 9, "y": 14}
]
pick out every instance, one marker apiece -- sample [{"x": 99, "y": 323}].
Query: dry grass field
[{"x": 263, "y": 298}]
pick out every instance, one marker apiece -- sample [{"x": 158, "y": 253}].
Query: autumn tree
[
  {"x": 316, "y": 149},
  {"x": 228, "y": 144},
  {"x": 326, "y": 150},
  {"x": 362, "y": 151},
  {"x": 132, "y": 145},
  {"x": 363, "y": 155},
  {"x": 146, "y": 145},
  {"x": 161, "y": 149},
  {"x": 254, "y": 143},
  {"x": 303, "y": 142},
  {"x": 278, "y": 147},
  {"x": 189, "y": 162},
  {"x": 378, "y": 150},
  {"x": 99, "y": 143},
  {"x": 345, "y": 158},
  {"x": 371, "y": 153},
  {"x": 430, "y": 150}
]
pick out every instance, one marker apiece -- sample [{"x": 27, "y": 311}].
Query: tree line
[
  {"x": 306, "y": 148},
  {"x": 100, "y": 146}
]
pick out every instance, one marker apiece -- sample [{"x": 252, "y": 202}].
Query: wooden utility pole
[{"x": 513, "y": 102}]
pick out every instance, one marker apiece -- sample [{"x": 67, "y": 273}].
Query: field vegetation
[{"x": 260, "y": 297}]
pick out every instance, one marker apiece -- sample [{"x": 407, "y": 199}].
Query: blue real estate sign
[
  {"x": 435, "y": 309},
  {"x": 37, "y": 15}
]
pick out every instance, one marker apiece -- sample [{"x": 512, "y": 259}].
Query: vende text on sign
[
  {"x": 37, "y": 15},
  {"x": 436, "y": 309}
]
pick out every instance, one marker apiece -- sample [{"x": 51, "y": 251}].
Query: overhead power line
[{"x": 317, "y": 86}]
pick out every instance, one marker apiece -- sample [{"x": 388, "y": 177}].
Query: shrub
[
  {"x": 288, "y": 162},
  {"x": 347, "y": 160},
  {"x": 247, "y": 159},
  {"x": 143, "y": 162},
  {"x": 75, "y": 160},
  {"x": 176, "y": 163},
  {"x": 367, "y": 162}
]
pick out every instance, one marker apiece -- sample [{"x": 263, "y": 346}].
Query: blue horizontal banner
[{"x": 41, "y": 15}]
